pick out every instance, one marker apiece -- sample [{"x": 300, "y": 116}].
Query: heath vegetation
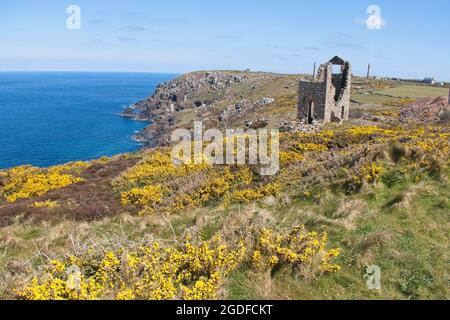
[{"x": 136, "y": 226}]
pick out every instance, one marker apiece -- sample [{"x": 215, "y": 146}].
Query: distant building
[{"x": 429, "y": 81}]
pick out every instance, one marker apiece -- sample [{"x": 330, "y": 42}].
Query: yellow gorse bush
[
  {"x": 371, "y": 172},
  {"x": 156, "y": 167},
  {"x": 159, "y": 185},
  {"x": 190, "y": 270},
  {"x": 29, "y": 182},
  {"x": 400, "y": 102},
  {"x": 219, "y": 185},
  {"x": 307, "y": 147},
  {"x": 287, "y": 157},
  {"x": 45, "y": 204},
  {"x": 149, "y": 195},
  {"x": 248, "y": 195},
  {"x": 440, "y": 144},
  {"x": 371, "y": 130},
  {"x": 297, "y": 249},
  {"x": 153, "y": 272},
  {"x": 75, "y": 167}
]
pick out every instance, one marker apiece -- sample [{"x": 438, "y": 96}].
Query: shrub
[
  {"x": 397, "y": 152},
  {"x": 188, "y": 271},
  {"x": 248, "y": 195},
  {"x": 149, "y": 196},
  {"x": 29, "y": 182},
  {"x": 155, "y": 167},
  {"x": 290, "y": 157},
  {"x": 307, "y": 147},
  {"x": 297, "y": 249},
  {"x": 393, "y": 177},
  {"x": 45, "y": 204},
  {"x": 371, "y": 172}
]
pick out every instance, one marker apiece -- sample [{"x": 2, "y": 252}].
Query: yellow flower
[
  {"x": 29, "y": 182},
  {"x": 45, "y": 204},
  {"x": 149, "y": 195}
]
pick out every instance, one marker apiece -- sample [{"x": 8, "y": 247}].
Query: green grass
[
  {"x": 240, "y": 286},
  {"x": 209, "y": 230},
  {"x": 370, "y": 98},
  {"x": 414, "y": 91},
  {"x": 406, "y": 238}
]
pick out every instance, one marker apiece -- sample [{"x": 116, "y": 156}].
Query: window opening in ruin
[{"x": 336, "y": 69}]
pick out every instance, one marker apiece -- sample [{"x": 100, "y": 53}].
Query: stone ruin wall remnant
[{"x": 327, "y": 97}]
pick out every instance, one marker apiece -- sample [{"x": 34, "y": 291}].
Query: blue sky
[{"x": 180, "y": 35}]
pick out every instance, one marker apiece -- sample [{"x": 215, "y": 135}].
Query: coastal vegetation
[{"x": 136, "y": 226}]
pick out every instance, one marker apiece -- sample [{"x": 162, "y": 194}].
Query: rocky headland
[{"x": 218, "y": 98}]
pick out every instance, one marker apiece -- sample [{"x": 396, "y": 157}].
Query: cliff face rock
[
  {"x": 186, "y": 92},
  {"x": 234, "y": 111}
]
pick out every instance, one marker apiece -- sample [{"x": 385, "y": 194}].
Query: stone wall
[{"x": 327, "y": 97}]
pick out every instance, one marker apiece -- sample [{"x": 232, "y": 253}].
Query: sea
[{"x": 50, "y": 118}]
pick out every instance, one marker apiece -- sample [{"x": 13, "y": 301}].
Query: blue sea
[{"x": 49, "y": 118}]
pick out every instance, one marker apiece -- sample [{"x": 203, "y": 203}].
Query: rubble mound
[{"x": 425, "y": 110}]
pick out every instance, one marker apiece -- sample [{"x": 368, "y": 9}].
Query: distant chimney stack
[{"x": 368, "y": 71}]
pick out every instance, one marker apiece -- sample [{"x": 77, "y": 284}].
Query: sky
[{"x": 177, "y": 36}]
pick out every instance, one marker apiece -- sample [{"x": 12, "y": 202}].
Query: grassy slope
[
  {"x": 408, "y": 241},
  {"x": 404, "y": 228}
]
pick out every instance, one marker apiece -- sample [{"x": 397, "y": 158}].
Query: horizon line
[{"x": 206, "y": 70}]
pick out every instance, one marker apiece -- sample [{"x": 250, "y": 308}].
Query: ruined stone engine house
[{"x": 327, "y": 97}]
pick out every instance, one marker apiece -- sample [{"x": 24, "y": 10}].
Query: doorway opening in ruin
[{"x": 311, "y": 117}]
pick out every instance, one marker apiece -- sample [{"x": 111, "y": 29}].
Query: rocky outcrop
[
  {"x": 425, "y": 110},
  {"x": 132, "y": 113},
  {"x": 236, "y": 110},
  {"x": 197, "y": 91},
  {"x": 185, "y": 93}
]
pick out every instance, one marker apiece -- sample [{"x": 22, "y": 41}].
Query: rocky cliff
[{"x": 218, "y": 98}]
